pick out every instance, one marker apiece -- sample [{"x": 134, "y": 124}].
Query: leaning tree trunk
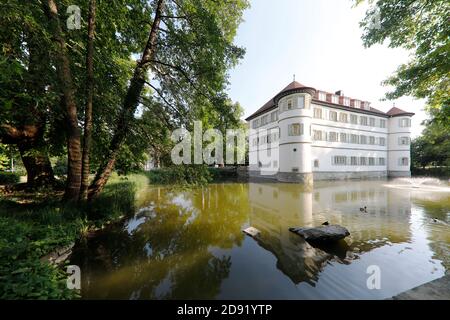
[
  {"x": 130, "y": 104},
  {"x": 88, "y": 109},
  {"x": 73, "y": 131}
]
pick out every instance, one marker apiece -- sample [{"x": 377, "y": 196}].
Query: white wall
[
  {"x": 397, "y": 151},
  {"x": 282, "y": 156},
  {"x": 295, "y": 151}
]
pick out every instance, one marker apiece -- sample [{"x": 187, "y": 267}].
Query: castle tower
[
  {"x": 399, "y": 154},
  {"x": 294, "y": 120}
]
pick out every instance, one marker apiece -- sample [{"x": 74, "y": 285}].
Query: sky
[{"x": 320, "y": 42}]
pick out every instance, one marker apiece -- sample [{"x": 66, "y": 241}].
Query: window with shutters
[
  {"x": 295, "y": 129},
  {"x": 318, "y": 113},
  {"x": 317, "y": 135},
  {"x": 333, "y": 137},
  {"x": 290, "y": 106},
  {"x": 333, "y": 115}
]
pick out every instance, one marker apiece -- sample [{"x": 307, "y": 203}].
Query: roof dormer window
[
  {"x": 322, "y": 96},
  {"x": 335, "y": 99}
]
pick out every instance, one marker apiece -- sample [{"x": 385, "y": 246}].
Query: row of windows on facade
[
  {"x": 297, "y": 129},
  {"x": 351, "y": 161},
  {"x": 319, "y": 135},
  {"x": 349, "y": 118},
  {"x": 269, "y": 138},
  {"x": 332, "y": 116},
  {"x": 363, "y": 161}
]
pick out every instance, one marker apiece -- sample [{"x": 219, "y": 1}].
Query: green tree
[
  {"x": 189, "y": 50},
  {"x": 135, "y": 104},
  {"x": 25, "y": 74},
  {"x": 420, "y": 26},
  {"x": 432, "y": 148}
]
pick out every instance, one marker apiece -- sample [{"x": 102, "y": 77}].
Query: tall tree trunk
[
  {"x": 88, "y": 108},
  {"x": 73, "y": 131},
  {"x": 130, "y": 104}
]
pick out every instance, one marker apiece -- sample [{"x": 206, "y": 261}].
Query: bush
[
  {"x": 182, "y": 175},
  {"x": 438, "y": 172},
  {"x": 9, "y": 178},
  {"x": 60, "y": 167},
  {"x": 22, "y": 242}
]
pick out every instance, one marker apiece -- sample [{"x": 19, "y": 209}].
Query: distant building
[
  {"x": 304, "y": 134},
  {"x": 150, "y": 164}
]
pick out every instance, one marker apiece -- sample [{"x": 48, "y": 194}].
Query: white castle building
[{"x": 303, "y": 134}]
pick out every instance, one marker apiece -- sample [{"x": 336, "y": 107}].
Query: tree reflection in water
[
  {"x": 163, "y": 252},
  {"x": 190, "y": 245}
]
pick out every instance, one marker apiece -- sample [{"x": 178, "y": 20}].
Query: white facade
[{"x": 305, "y": 134}]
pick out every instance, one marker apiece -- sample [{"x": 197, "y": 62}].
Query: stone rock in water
[
  {"x": 253, "y": 232},
  {"x": 322, "y": 234}
]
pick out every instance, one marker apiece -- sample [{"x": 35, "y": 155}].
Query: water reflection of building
[
  {"x": 388, "y": 210},
  {"x": 276, "y": 207}
]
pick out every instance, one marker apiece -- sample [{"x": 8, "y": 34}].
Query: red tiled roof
[
  {"x": 271, "y": 103},
  {"x": 397, "y": 112},
  {"x": 296, "y": 85}
]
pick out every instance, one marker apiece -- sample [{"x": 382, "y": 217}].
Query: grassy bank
[
  {"x": 33, "y": 225},
  {"x": 190, "y": 175}
]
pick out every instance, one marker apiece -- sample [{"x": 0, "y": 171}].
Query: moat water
[{"x": 190, "y": 245}]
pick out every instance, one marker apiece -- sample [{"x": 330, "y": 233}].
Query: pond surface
[{"x": 190, "y": 244}]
